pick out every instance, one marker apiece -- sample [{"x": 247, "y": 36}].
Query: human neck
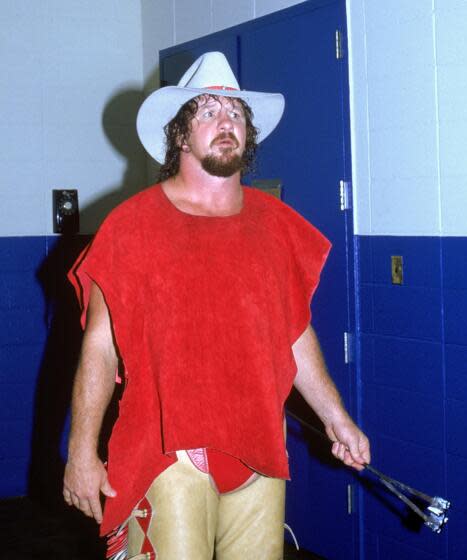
[{"x": 195, "y": 191}]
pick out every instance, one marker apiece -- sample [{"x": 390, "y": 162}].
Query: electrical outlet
[{"x": 397, "y": 269}]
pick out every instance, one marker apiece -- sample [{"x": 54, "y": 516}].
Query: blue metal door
[
  {"x": 297, "y": 56},
  {"x": 294, "y": 51}
]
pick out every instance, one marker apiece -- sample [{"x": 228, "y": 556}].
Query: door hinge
[
  {"x": 339, "y": 45},
  {"x": 345, "y": 192},
  {"x": 348, "y": 348},
  {"x": 350, "y": 499}
]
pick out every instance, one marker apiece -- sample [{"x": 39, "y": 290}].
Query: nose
[{"x": 225, "y": 122}]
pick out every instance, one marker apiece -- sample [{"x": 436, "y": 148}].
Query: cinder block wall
[
  {"x": 408, "y": 69},
  {"x": 71, "y": 82}
]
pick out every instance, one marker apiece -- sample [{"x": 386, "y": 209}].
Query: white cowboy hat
[{"x": 210, "y": 74}]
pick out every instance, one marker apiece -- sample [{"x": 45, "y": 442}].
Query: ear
[{"x": 182, "y": 144}]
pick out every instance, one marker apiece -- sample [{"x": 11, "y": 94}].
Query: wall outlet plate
[{"x": 397, "y": 269}]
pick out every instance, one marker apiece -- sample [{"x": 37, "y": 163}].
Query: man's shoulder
[
  {"x": 271, "y": 206},
  {"x": 278, "y": 217}
]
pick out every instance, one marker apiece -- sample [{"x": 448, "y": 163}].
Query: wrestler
[{"x": 201, "y": 288}]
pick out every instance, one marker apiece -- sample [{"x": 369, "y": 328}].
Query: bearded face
[
  {"x": 217, "y": 136},
  {"x": 226, "y": 161}
]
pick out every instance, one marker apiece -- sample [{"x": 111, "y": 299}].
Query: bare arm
[
  {"x": 315, "y": 385},
  {"x": 85, "y": 474}
]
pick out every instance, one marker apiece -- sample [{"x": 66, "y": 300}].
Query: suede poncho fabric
[{"x": 205, "y": 311}]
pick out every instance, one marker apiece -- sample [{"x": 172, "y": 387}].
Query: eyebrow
[{"x": 210, "y": 102}]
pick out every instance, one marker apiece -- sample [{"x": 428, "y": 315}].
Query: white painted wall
[
  {"x": 73, "y": 72},
  {"x": 408, "y": 73},
  {"x": 71, "y": 78}
]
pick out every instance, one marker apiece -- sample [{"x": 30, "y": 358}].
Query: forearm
[
  {"x": 95, "y": 379},
  {"x": 313, "y": 381},
  {"x": 92, "y": 391},
  {"x": 85, "y": 475}
]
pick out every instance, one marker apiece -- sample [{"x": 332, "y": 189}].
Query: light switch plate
[{"x": 397, "y": 269}]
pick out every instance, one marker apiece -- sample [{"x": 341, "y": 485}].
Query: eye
[
  {"x": 236, "y": 114},
  {"x": 207, "y": 114}
]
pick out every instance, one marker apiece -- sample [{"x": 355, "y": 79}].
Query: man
[{"x": 201, "y": 288}]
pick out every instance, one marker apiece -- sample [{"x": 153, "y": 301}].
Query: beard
[
  {"x": 227, "y": 163},
  {"x": 220, "y": 166}
]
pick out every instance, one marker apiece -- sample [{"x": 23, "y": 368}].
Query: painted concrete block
[
  {"x": 453, "y": 205},
  {"x": 226, "y": 13},
  {"x": 15, "y": 439},
  {"x": 397, "y": 12},
  {"x": 399, "y": 100},
  {"x": 192, "y": 19},
  {"x": 85, "y": 9},
  {"x": 421, "y": 260},
  {"x": 454, "y": 262},
  {"x": 20, "y": 98},
  {"x": 412, "y": 155},
  {"x": 452, "y": 139},
  {"x": 85, "y": 144},
  {"x": 410, "y": 365},
  {"x": 25, "y": 215},
  {"x": 20, "y": 142},
  {"x": 17, "y": 402},
  {"x": 14, "y": 479},
  {"x": 23, "y": 327},
  {"x": 263, "y": 7},
  {"x": 402, "y": 205},
  {"x": 451, "y": 40},
  {"x": 22, "y": 253},
  {"x": 20, "y": 364},
  {"x": 399, "y": 38},
  {"x": 158, "y": 30},
  {"x": 407, "y": 312},
  {"x": 451, "y": 85},
  {"x": 27, "y": 10},
  {"x": 405, "y": 415},
  {"x": 21, "y": 291}
]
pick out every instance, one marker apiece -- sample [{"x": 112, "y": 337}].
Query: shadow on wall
[
  {"x": 53, "y": 389},
  {"x": 60, "y": 356},
  {"x": 119, "y": 125}
]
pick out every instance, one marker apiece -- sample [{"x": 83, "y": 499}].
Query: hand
[
  {"x": 350, "y": 444},
  {"x": 82, "y": 484}
]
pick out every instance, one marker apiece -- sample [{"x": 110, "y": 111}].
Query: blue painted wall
[
  {"x": 413, "y": 351},
  {"x": 39, "y": 343}
]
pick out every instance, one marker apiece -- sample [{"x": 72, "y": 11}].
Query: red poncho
[{"x": 205, "y": 311}]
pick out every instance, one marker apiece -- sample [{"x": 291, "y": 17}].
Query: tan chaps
[{"x": 191, "y": 521}]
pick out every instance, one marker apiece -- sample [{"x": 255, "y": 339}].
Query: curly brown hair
[{"x": 179, "y": 128}]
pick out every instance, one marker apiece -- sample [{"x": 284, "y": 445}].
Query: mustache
[{"x": 226, "y": 136}]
